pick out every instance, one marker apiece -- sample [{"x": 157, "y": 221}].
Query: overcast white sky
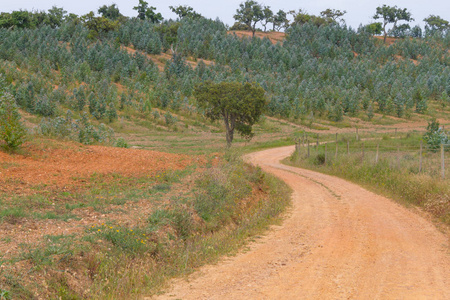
[{"x": 357, "y": 11}]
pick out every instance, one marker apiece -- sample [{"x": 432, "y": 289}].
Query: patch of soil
[
  {"x": 273, "y": 36},
  {"x": 70, "y": 166}
]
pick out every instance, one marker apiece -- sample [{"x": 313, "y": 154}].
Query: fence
[{"x": 400, "y": 152}]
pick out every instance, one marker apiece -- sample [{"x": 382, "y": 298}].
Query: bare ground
[{"x": 339, "y": 241}]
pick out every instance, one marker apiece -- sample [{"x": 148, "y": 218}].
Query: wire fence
[{"x": 399, "y": 152}]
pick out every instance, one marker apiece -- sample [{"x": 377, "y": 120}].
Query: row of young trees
[{"x": 328, "y": 70}]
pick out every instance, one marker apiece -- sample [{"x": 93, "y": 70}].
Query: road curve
[{"x": 338, "y": 241}]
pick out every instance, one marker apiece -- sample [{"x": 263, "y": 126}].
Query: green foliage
[
  {"x": 391, "y": 14},
  {"x": 98, "y": 25},
  {"x": 146, "y": 12},
  {"x": 319, "y": 159},
  {"x": 4, "y": 294},
  {"x": 12, "y": 131},
  {"x": 435, "y": 135},
  {"x": 80, "y": 130},
  {"x": 373, "y": 28},
  {"x": 239, "y": 105},
  {"x": 184, "y": 11},
  {"x": 249, "y": 13},
  {"x": 110, "y": 12},
  {"x": 240, "y": 26},
  {"x": 332, "y": 14},
  {"x": 302, "y": 17},
  {"x": 121, "y": 143},
  {"x": 435, "y": 24}
]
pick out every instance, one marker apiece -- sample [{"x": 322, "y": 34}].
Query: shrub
[
  {"x": 435, "y": 136},
  {"x": 80, "y": 130},
  {"x": 12, "y": 131},
  {"x": 319, "y": 159},
  {"x": 121, "y": 143}
]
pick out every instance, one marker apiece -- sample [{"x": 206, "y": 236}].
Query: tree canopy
[
  {"x": 146, "y": 12},
  {"x": 435, "y": 24},
  {"x": 184, "y": 11},
  {"x": 392, "y": 14},
  {"x": 239, "y": 105},
  {"x": 249, "y": 13}
]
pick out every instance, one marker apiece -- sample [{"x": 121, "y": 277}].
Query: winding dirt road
[{"x": 339, "y": 241}]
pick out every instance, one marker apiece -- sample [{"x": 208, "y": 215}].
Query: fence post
[
  {"x": 376, "y": 156},
  {"x": 395, "y": 132},
  {"x": 348, "y": 147},
  {"x": 357, "y": 135},
  {"x": 442, "y": 161},
  {"x": 317, "y": 144},
  {"x": 420, "y": 157},
  {"x": 363, "y": 151},
  {"x": 336, "y": 150},
  {"x": 307, "y": 141},
  {"x": 326, "y": 153}
]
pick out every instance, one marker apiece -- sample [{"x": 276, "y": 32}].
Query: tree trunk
[
  {"x": 229, "y": 127},
  {"x": 253, "y": 30}
]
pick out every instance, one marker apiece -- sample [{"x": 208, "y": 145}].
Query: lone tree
[
  {"x": 146, "y": 12},
  {"x": 435, "y": 24},
  {"x": 333, "y": 14},
  {"x": 239, "y": 105},
  {"x": 249, "y": 13},
  {"x": 391, "y": 14}
]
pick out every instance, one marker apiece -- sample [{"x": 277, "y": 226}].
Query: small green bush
[
  {"x": 121, "y": 143},
  {"x": 12, "y": 131},
  {"x": 319, "y": 159}
]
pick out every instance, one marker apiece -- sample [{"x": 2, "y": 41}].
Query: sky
[{"x": 358, "y": 12}]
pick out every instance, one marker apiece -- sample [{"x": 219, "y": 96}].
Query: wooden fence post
[
  {"x": 363, "y": 151},
  {"x": 376, "y": 156},
  {"x": 326, "y": 153},
  {"x": 335, "y": 156},
  {"x": 348, "y": 147},
  {"x": 420, "y": 157},
  {"x": 442, "y": 161},
  {"x": 317, "y": 144},
  {"x": 357, "y": 135},
  {"x": 307, "y": 141}
]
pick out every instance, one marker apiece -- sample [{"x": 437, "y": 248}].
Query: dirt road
[{"x": 339, "y": 241}]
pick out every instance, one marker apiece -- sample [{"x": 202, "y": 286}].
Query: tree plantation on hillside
[{"x": 105, "y": 66}]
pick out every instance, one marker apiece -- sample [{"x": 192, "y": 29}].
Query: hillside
[
  {"x": 123, "y": 182},
  {"x": 318, "y": 74}
]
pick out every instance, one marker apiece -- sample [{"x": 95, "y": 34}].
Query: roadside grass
[
  {"x": 396, "y": 174},
  {"x": 194, "y": 218}
]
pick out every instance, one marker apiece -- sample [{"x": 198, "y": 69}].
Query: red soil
[{"x": 70, "y": 164}]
